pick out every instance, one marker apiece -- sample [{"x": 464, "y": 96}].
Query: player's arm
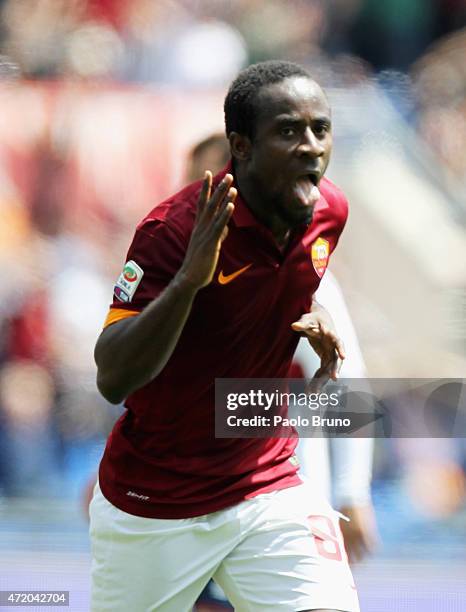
[
  {"x": 318, "y": 326},
  {"x": 132, "y": 352},
  {"x": 351, "y": 457},
  {"x": 352, "y": 470}
]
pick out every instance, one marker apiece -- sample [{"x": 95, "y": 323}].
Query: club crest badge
[
  {"x": 320, "y": 251},
  {"x": 128, "y": 281}
]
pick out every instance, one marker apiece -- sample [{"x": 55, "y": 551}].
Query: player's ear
[{"x": 240, "y": 146}]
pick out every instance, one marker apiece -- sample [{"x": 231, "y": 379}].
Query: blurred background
[{"x": 101, "y": 102}]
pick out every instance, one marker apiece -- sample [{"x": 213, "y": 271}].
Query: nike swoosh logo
[{"x": 224, "y": 280}]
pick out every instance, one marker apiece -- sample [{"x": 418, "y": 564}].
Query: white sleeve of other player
[{"x": 351, "y": 458}]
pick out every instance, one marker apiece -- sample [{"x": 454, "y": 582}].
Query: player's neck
[{"x": 263, "y": 211}]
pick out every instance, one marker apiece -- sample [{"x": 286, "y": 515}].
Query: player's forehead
[{"x": 295, "y": 97}]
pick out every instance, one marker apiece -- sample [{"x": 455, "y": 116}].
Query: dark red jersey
[{"x": 162, "y": 459}]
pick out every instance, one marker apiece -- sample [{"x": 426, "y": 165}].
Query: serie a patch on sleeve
[{"x": 128, "y": 281}]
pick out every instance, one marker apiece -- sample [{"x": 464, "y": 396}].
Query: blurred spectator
[
  {"x": 28, "y": 437},
  {"x": 440, "y": 86},
  {"x": 392, "y": 34},
  {"x": 36, "y": 33},
  {"x": 291, "y": 30},
  {"x": 211, "y": 153}
]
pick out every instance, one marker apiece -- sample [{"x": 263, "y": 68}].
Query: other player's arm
[
  {"x": 132, "y": 352},
  {"x": 352, "y": 470}
]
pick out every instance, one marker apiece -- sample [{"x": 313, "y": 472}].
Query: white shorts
[{"x": 279, "y": 551}]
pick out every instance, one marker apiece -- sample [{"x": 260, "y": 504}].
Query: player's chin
[{"x": 298, "y": 214}]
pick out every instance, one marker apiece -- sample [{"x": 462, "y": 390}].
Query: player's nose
[{"x": 310, "y": 144}]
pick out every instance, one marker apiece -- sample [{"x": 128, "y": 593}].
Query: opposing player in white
[{"x": 340, "y": 469}]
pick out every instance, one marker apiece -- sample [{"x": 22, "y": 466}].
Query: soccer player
[
  {"x": 212, "y": 152},
  {"x": 340, "y": 468},
  {"x": 219, "y": 283},
  {"x": 346, "y": 478}
]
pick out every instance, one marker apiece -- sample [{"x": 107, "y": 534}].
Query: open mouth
[
  {"x": 313, "y": 177},
  {"x": 306, "y": 188}
]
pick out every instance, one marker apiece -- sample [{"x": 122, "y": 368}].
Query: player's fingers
[
  {"x": 222, "y": 219},
  {"x": 317, "y": 382},
  {"x": 322, "y": 375},
  {"x": 329, "y": 368},
  {"x": 332, "y": 339},
  {"x": 218, "y": 218},
  {"x": 204, "y": 195},
  {"x": 338, "y": 366},
  {"x": 334, "y": 367},
  {"x": 352, "y": 545},
  {"x": 360, "y": 550},
  {"x": 340, "y": 348},
  {"x": 310, "y": 328},
  {"x": 354, "y": 554},
  {"x": 231, "y": 197},
  {"x": 224, "y": 233},
  {"x": 329, "y": 334},
  {"x": 349, "y": 547},
  {"x": 337, "y": 343},
  {"x": 327, "y": 357},
  {"x": 220, "y": 193},
  {"x": 367, "y": 543}
]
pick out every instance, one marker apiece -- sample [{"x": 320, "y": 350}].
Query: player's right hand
[
  {"x": 360, "y": 532},
  {"x": 209, "y": 231}
]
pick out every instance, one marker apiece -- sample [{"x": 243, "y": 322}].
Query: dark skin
[
  {"x": 292, "y": 144},
  {"x": 126, "y": 355},
  {"x": 293, "y": 138}
]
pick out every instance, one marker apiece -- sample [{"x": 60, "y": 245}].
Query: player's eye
[
  {"x": 288, "y": 131},
  {"x": 321, "y": 129}
]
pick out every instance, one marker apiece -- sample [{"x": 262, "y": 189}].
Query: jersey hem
[{"x": 175, "y": 511}]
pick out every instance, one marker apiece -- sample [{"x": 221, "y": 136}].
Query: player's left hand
[
  {"x": 320, "y": 330},
  {"x": 360, "y": 532}
]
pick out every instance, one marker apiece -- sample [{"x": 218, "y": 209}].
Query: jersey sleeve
[
  {"x": 154, "y": 257},
  {"x": 341, "y": 215}
]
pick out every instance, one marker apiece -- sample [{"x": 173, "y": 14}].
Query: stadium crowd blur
[{"x": 97, "y": 101}]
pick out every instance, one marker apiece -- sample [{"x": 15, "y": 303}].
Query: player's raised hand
[{"x": 209, "y": 231}]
